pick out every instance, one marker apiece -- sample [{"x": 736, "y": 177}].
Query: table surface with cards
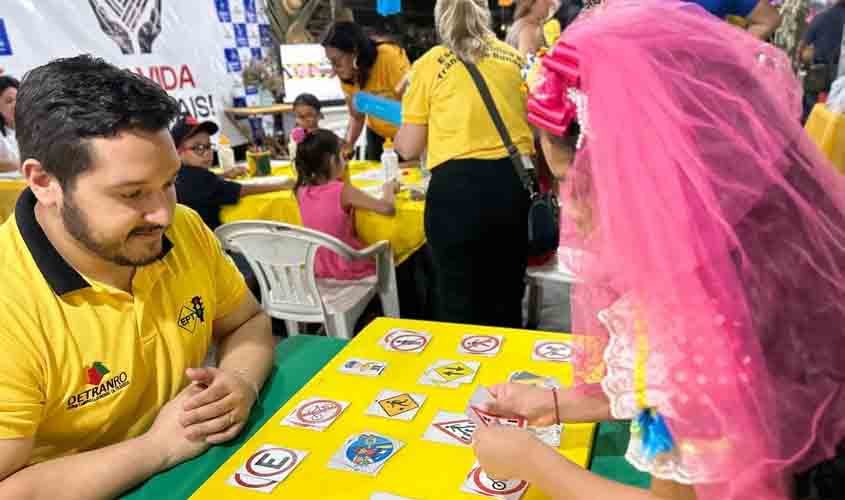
[{"x": 388, "y": 415}]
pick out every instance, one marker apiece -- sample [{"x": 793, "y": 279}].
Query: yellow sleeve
[
  {"x": 551, "y": 32},
  {"x": 22, "y": 390},
  {"x": 229, "y": 284},
  {"x": 398, "y": 65},
  {"x": 417, "y": 99},
  {"x": 348, "y": 90}
]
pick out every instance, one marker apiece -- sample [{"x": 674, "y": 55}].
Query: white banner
[{"x": 194, "y": 49}]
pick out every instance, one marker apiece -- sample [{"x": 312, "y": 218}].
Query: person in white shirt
[{"x": 9, "y": 155}]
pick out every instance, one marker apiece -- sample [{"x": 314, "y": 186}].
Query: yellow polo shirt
[
  {"x": 390, "y": 67},
  {"x": 443, "y": 96},
  {"x": 86, "y": 365}
]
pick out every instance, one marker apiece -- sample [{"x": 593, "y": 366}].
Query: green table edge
[{"x": 284, "y": 381}]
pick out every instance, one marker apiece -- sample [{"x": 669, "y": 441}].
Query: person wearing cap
[
  {"x": 115, "y": 297},
  {"x": 197, "y": 186}
]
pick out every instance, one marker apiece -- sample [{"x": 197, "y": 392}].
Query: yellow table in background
[
  {"x": 422, "y": 470},
  {"x": 827, "y": 129},
  {"x": 10, "y": 189},
  {"x": 404, "y": 230}
]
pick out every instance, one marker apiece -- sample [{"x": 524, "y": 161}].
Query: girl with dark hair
[
  {"x": 711, "y": 269},
  {"x": 327, "y": 203},
  {"x": 9, "y": 155},
  {"x": 369, "y": 66}
]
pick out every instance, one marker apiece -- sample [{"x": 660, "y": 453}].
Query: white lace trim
[{"x": 618, "y": 384}]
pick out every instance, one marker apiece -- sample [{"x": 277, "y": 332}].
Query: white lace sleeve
[
  {"x": 620, "y": 357},
  {"x": 681, "y": 464}
]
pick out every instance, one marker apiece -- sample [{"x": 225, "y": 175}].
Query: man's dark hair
[
  {"x": 66, "y": 102},
  {"x": 350, "y": 38}
]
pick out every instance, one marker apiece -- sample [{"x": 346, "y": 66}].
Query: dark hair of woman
[
  {"x": 350, "y": 38},
  {"x": 5, "y": 83}
]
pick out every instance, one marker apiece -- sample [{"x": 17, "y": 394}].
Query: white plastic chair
[
  {"x": 557, "y": 272},
  {"x": 282, "y": 258}
]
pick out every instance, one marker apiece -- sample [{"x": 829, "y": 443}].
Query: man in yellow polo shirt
[{"x": 111, "y": 297}]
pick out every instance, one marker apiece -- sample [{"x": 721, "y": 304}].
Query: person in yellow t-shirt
[
  {"x": 115, "y": 295},
  {"x": 526, "y": 33},
  {"x": 476, "y": 209},
  {"x": 363, "y": 64}
]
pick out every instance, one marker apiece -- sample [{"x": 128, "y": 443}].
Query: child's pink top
[{"x": 321, "y": 210}]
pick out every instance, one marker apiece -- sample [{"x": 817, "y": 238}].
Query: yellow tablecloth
[
  {"x": 422, "y": 469},
  {"x": 404, "y": 230},
  {"x": 827, "y": 129},
  {"x": 10, "y": 189}
]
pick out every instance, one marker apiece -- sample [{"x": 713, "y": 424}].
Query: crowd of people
[{"x": 710, "y": 233}]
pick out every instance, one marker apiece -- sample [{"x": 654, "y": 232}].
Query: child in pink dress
[{"x": 327, "y": 203}]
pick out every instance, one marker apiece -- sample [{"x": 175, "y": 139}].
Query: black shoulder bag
[{"x": 543, "y": 212}]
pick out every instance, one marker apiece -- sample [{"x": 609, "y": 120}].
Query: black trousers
[
  {"x": 375, "y": 146},
  {"x": 476, "y": 222}
]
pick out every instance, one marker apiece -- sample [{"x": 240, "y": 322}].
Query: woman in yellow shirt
[
  {"x": 526, "y": 32},
  {"x": 476, "y": 209},
  {"x": 363, "y": 64}
]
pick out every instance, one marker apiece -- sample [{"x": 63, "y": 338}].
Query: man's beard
[{"x": 76, "y": 223}]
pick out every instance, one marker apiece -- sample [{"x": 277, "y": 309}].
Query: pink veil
[{"x": 714, "y": 212}]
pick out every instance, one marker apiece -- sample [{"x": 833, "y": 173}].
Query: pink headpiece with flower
[
  {"x": 554, "y": 102},
  {"x": 298, "y": 135}
]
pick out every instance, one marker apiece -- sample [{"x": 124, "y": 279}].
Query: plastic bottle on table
[
  {"x": 425, "y": 173},
  {"x": 225, "y": 153},
  {"x": 292, "y": 150},
  {"x": 390, "y": 162}
]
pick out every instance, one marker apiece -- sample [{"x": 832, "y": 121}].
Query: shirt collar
[{"x": 60, "y": 275}]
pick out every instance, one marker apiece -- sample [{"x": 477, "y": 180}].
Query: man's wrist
[
  {"x": 243, "y": 375},
  {"x": 155, "y": 458}
]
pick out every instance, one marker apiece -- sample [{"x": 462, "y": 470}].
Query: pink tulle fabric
[{"x": 708, "y": 206}]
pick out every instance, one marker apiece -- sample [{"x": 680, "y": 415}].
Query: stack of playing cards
[
  {"x": 452, "y": 374},
  {"x": 475, "y": 411},
  {"x": 266, "y": 468},
  {"x": 365, "y": 367},
  {"x": 315, "y": 413},
  {"x": 400, "y": 340},
  {"x": 365, "y": 453},
  {"x": 477, "y": 482},
  {"x": 528, "y": 378},
  {"x": 550, "y": 434},
  {"x": 451, "y": 428},
  {"x": 481, "y": 345},
  {"x": 397, "y": 405}
]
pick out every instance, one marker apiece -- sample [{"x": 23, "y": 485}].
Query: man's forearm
[
  {"x": 248, "y": 351},
  {"x": 563, "y": 480},
  {"x": 99, "y": 474}
]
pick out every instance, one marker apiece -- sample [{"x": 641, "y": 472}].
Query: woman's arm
[
  {"x": 509, "y": 453},
  {"x": 353, "y": 131},
  {"x": 411, "y": 140},
  {"x": 530, "y": 39}
]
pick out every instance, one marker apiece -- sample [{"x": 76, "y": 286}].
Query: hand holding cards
[{"x": 475, "y": 411}]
